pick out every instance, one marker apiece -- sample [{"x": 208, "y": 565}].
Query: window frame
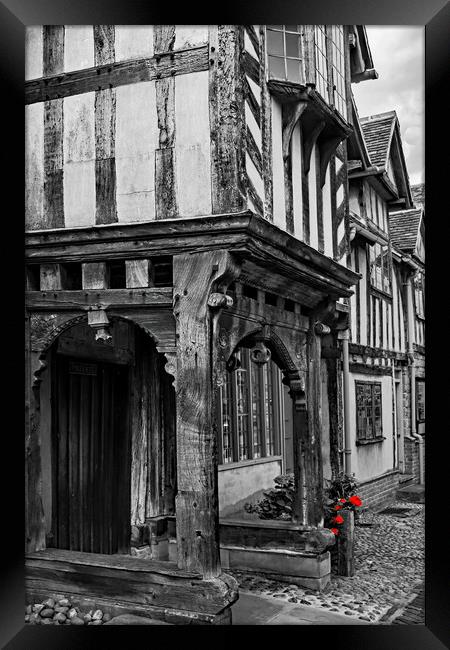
[
  {"x": 263, "y": 440},
  {"x": 376, "y": 430},
  {"x": 386, "y": 268},
  {"x": 420, "y": 407},
  {"x": 284, "y": 57}
]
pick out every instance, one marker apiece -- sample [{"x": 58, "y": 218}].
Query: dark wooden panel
[
  {"x": 105, "y": 164},
  {"x": 104, "y": 39},
  {"x": 53, "y": 164},
  {"x": 53, "y": 49},
  {"x": 320, "y": 232}
]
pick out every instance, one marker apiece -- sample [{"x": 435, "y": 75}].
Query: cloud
[{"x": 398, "y": 56}]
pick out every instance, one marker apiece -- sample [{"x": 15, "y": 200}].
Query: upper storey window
[
  {"x": 380, "y": 272},
  {"x": 336, "y": 35},
  {"x": 329, "y": 61},
  {"x": 284, "y": 49}
]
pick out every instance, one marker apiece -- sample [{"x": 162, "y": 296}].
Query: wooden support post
[
  {"x": 345, "y": 545},
  {"x": 94, "y": 275},
  {"x": 197, "y": 499},
  {"x": 308, "y": 506}
]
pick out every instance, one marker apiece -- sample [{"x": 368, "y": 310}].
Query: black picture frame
[{"x": 14, "y": 16}]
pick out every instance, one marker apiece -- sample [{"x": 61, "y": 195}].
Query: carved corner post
[
  {"x": 196, "y": 314},
  {"x": 34, "y": 511}
]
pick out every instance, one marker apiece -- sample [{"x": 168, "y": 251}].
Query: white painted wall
[
  {"x": 327, "y": 216},
  {"x": 239, "y": 483},
  {"x": 296, "y": 145},
  {"x": 190, "y": 36},
  {"x": 363, "y": 297},
  {"x": 133, "y": 41},
  {"x": 312, "y": 184},
  {"x": 79, "y": 160},
  {"x": 279, "y": 206},
  {"x": 33, "y": 51},
  {"x": 369, "y": 461},
  {"x": 136, "y": 141},
  {"x": 34, "y": 165},
  {"x": 325, "y": 437},
  {"x": 192, "y": 144},
  {"x": 78, "y": 47}
]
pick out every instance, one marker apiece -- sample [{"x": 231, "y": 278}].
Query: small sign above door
[{"x": 77, "y": 368}]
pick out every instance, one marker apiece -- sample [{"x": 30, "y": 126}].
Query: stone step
[
  {"x": 413, "y": 493},
  {"x": 131, "y": 619},
  {"x": 405, "y": 479}
]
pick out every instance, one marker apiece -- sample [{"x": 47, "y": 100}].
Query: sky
[{"x": 398, "y": 54}]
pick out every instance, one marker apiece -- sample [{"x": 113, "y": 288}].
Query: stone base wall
[{"x": 380, "y": 490}]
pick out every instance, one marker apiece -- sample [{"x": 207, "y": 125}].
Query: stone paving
[{"x": 389, "y": 562}]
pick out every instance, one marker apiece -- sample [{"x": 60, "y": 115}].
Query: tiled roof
[
  {"x": 418, "y": 194},
  {"x": 404, "y": 229},
  {"x": 377, "y": 130}
]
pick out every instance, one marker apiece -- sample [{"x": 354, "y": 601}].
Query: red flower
[
  {"x": 338, "y": 507},
  {"x": 335, "y": 531},
  {"x": 339, "y": 519},
  {"x": 355, "y": 500},
  {"x": 342, "y": 500}
]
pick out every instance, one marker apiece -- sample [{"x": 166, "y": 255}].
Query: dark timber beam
[{"x": 112, "y": 75}]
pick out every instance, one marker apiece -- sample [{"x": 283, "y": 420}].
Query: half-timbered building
[
  {"x": 384, "y": 236},
  {"x": 187, "y": 299}
]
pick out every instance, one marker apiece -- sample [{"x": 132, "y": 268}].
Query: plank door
[{"x": 91, "y": 460}]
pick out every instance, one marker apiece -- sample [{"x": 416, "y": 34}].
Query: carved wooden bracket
[
  {"x": 98, "y": 320},
  {"x": 291, "y": 115},
  {"x": 309, "y": 140},
  {"x": 327, "y": 146},
  {"x": 321, "y": 328},
  {"x": 171, "y": 365},
  {"x": 219, "y": 301},
  {"x": 260, "y": 353}
]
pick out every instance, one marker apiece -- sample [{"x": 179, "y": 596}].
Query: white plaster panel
[
  {"x": 190, "y": 36},
  {"x": 33, "y": 52},
  {"x": 133, "y": 41},
  {"x": 192, "y": 144},
  {"x": 279, "y": 206},
  {"x": 339, "y": 195},
  {"x": 255, "y": 89},
  {"x": 248, "y": 45},
  {"x": 78, "y": 47},
  {"x": 253, "y": 125},
  {"x": 136, "y": 141},
  {"x": 34, "y": 165},
  {"x": 254, "y": 176},
  {"x": 79, "y": 193},
  {"x": 79, "y": 128},
  {"x": 297, "y": 196},
  {"x": 312, "y": 183},
  {"x": 327, "y": 217}
]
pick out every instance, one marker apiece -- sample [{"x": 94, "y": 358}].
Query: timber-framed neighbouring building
[{"x": 190, "y": 269}]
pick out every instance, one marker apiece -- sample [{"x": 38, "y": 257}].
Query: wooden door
[{"x": 91, "y": 459}]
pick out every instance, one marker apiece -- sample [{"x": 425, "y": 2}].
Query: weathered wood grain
[
  {"x": 250, "y": 66},
  {"x": 53, "y": 164},
  {"x": 117, "y": 74},
  {"x": 252, "y": 102},
  {"x": 266, "y": 134},
  {"x": 226, "y": 113},
  {"x": 163, "y": 38},
  {"x": 254, "y": 196},
  {"x": 105, "y": 164},
  {"x": 254, "y": 152},
  {"x": 253, "y": 36},
  {"x": 94, "y": 275},
  {"x": 50, "y": 277},
  {"x": 274, "y": 534},
  {"x": 114, "y": 298},
  {"x": 53, "y": 49},
  {"x": 197, "y": 497},
  {"x": 104, "y": 50},
  {"x": 137, "y": 273}
]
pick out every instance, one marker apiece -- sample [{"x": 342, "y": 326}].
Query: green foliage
[
  {"x": 277, "y": 503},
  {"x": 342, "y": 486}
]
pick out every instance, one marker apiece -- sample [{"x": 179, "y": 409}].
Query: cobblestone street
[{"x": 389, "y": 561}]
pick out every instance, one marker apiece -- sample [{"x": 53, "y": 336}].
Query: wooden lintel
[
  {"x": 85, "y": 299},
  {"x": 117, "y": 74}
]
